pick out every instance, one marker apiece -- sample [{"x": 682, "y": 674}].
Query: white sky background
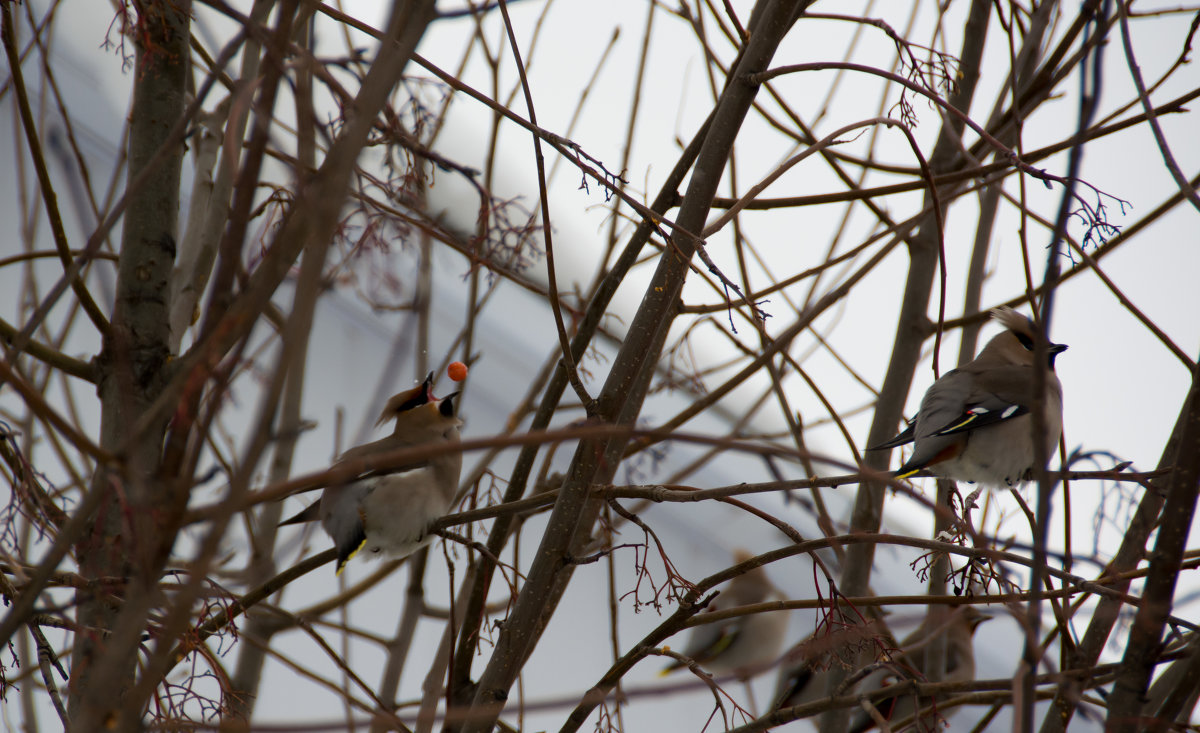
[{"x": 1122, "y": 388}]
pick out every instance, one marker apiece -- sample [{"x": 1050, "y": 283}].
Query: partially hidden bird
[
  {"x": 804, "y": 672},
  {"x": 388, "y": 510},
  {"x": 1172, "y": 698},
  {"x": 743, "y": 645},
  {"x": 959, "y": 629},
  {"x": 975, "y": 422}
]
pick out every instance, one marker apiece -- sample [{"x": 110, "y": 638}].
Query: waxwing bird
[
  {"x": 1172, "y": 698},
  {"x": 803, "y": 674},
  {"x": 800, "y": 682},
  {"x": 959, "y": 629},
  {"x": 974, "y": 423},
  {"x": 388, "y": 510},
  {"x": 744, "y": 645}
]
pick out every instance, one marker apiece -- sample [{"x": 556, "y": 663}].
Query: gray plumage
[
  {"x": 389, "y": 510},
  {"x": 974, "y": 423},
  {"x": 959, "y": 629},
  {"x": 744, "y": 645},
  {"x": 1172, "y": 698},
  {"x": 803, "y": 675}
]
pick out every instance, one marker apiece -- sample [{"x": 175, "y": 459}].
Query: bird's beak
[
  {"x": 446, "y": 404},
  {"x": 407, "y": 400},
  {"x": 1054, "y": 350}
]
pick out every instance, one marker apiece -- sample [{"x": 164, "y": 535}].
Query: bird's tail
[{"x": 311, "y": 514}]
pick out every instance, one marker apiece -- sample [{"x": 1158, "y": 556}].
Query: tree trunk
[{"x": 123, "y": 539}]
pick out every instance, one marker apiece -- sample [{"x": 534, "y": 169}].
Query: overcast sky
[{"x": 1122, "y": 388}]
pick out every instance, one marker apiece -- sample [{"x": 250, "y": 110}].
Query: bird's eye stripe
[
  {"x": 423, "y": 396},
  {"x": 410, "y": 404}
]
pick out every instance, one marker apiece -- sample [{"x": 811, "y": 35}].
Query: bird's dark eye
[{"x": 1025, "y": 340}]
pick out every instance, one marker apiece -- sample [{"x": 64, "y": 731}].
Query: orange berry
[{"x": 457, "y": 371}]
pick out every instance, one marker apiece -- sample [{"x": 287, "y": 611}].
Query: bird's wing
[
  {"x": 707, "y": 642},
  {"x": 362, "y": 452},
  {"x": 943, "y": 404},
  {"x": 310, "y": 514},
  {"x": 980, "y": 416},
  {"x": 407, "y": 468},
  {"x": 341, "y": 515},
  {"x": 347, "y": 531},
  {"x": 961, "y": 401},
  {"x": 378, "y": 448},
  {"x": 992, "y": 396},
  {"x": 791, "y": 685},
  {"x": 906, "y": 436}
]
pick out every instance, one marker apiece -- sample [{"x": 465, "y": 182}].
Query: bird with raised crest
[
  {"x": 389, "y": 510},
  {"x": 975, "y": 422}
]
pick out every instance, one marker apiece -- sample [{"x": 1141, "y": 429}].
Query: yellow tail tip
[
  {"x": 342, "y": 563},
  {"x": 670, "y": 667}
]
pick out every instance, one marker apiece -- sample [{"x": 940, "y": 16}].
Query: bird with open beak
[{"x": 388, "y": 510}]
